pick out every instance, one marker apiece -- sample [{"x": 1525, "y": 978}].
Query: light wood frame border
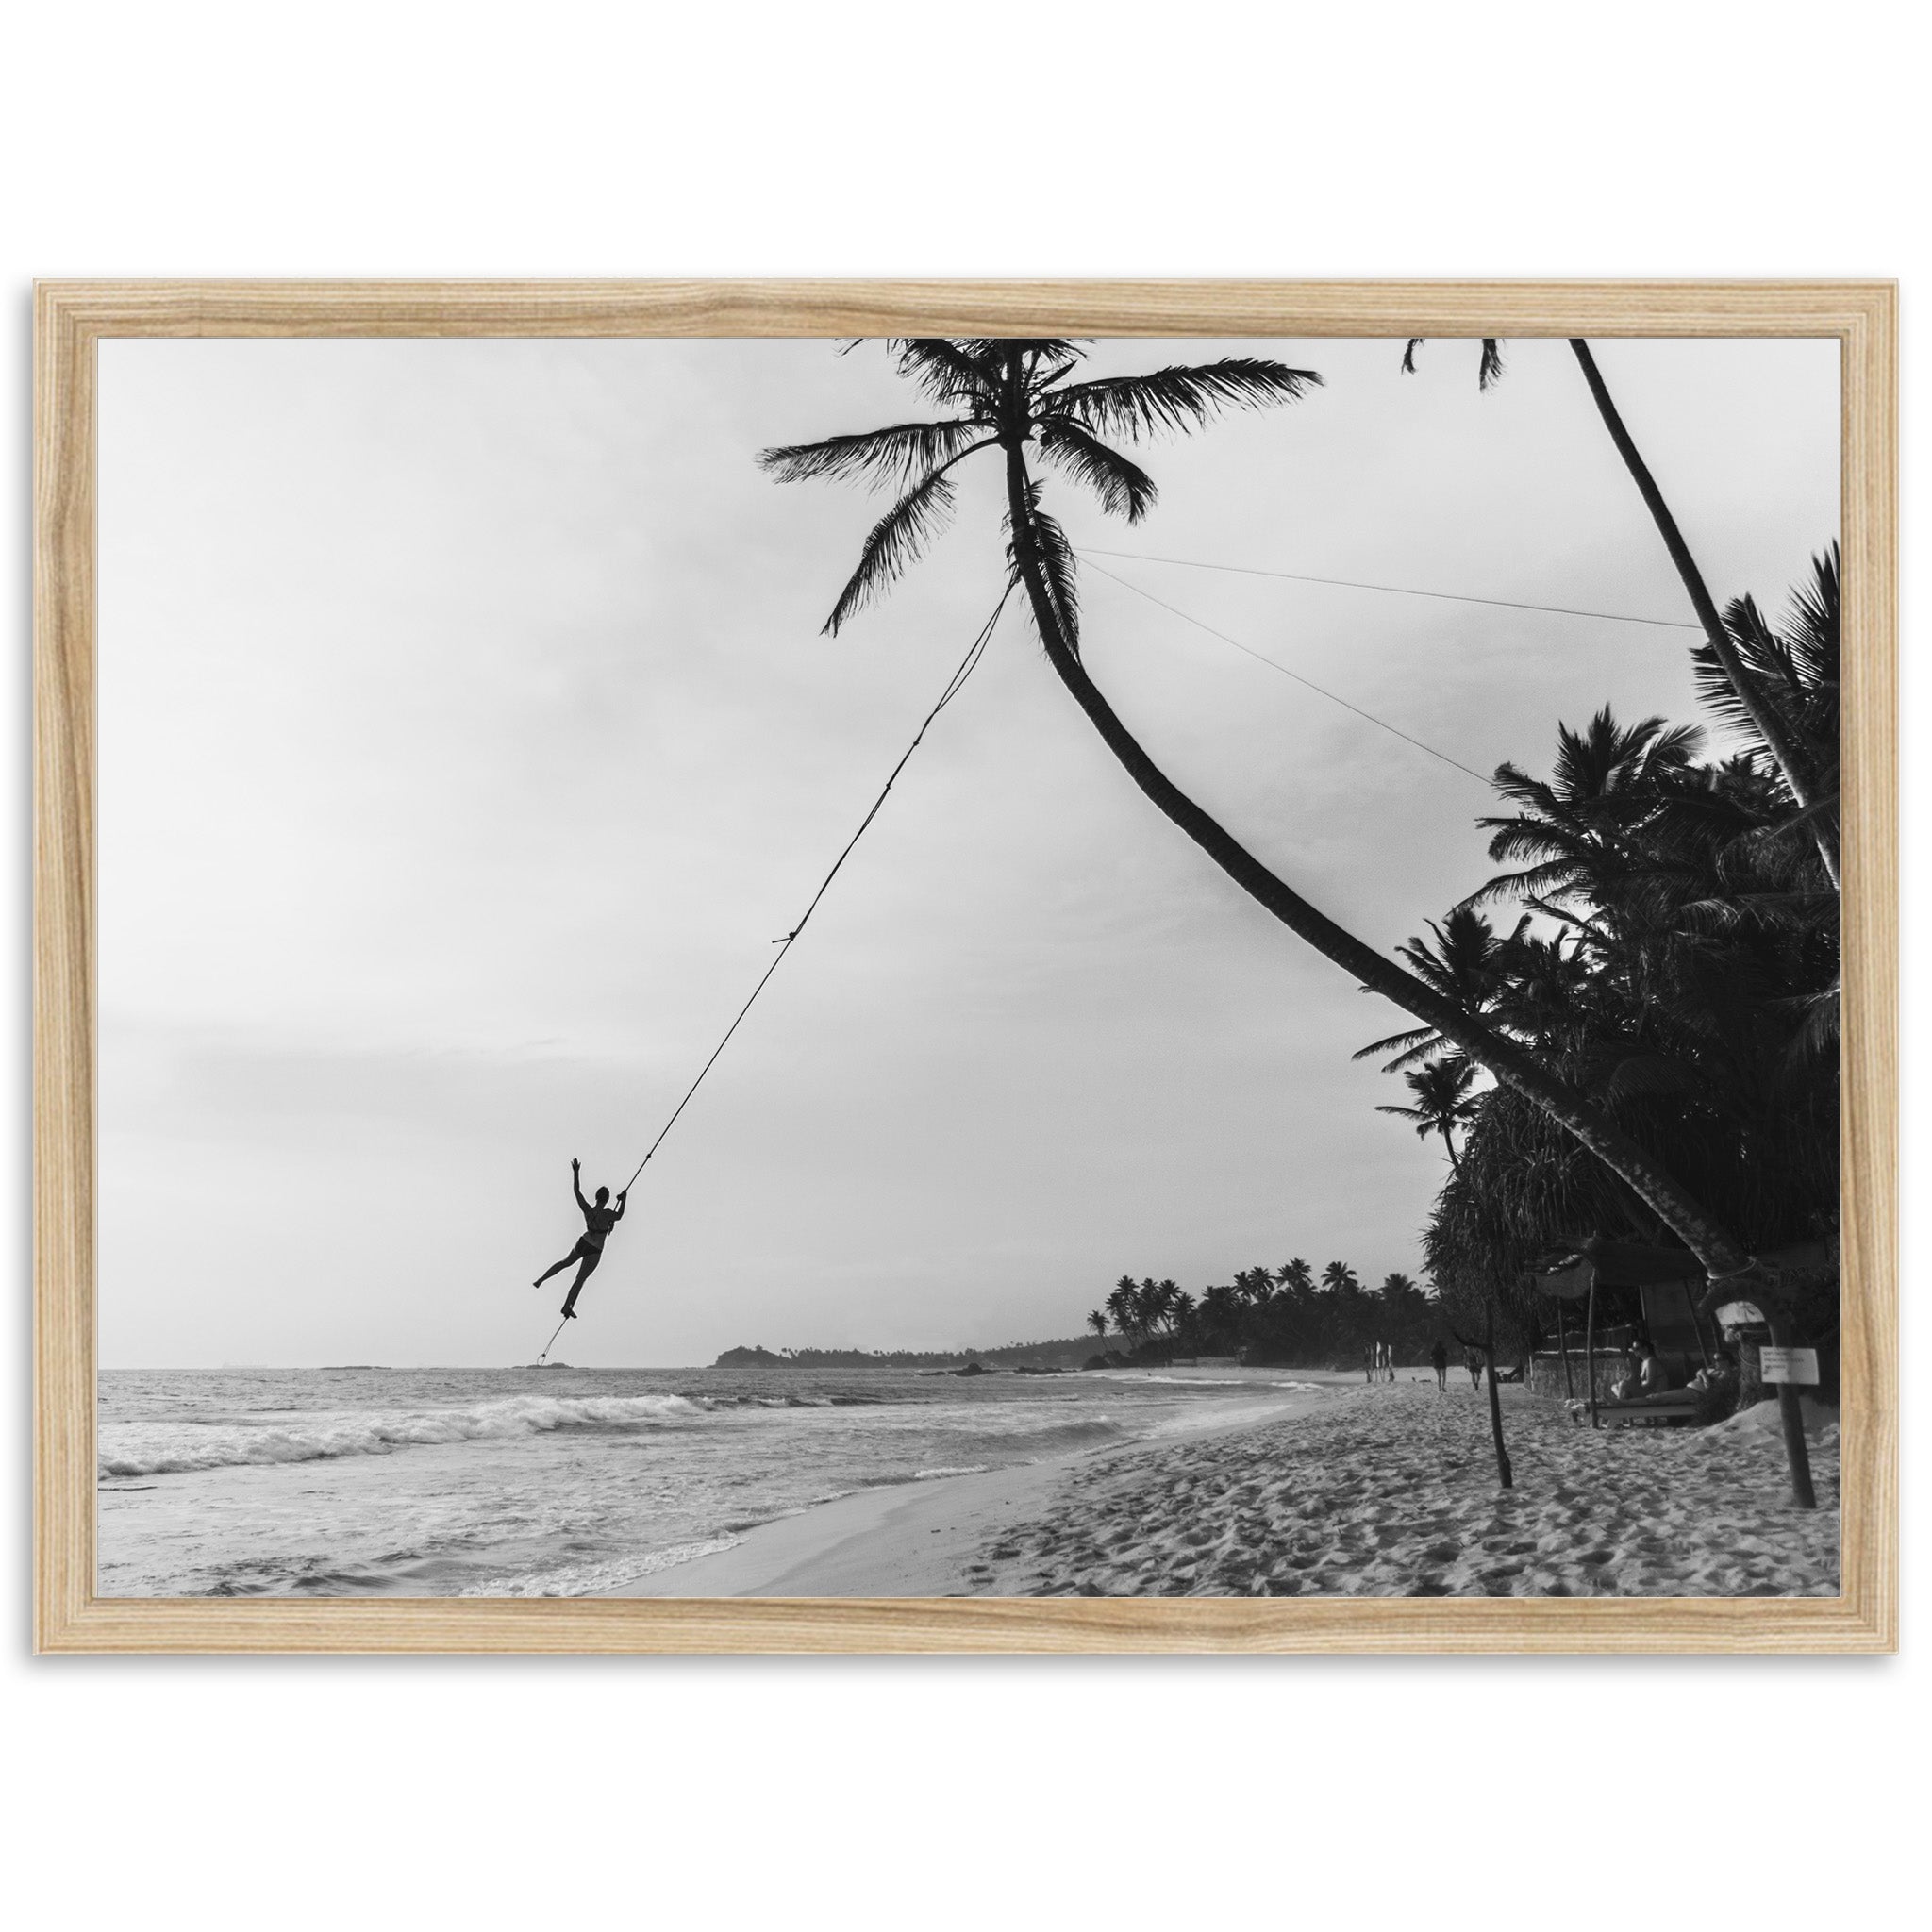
[{"x": 71, "y": 317}]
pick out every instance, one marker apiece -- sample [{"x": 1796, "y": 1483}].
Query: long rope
[
  {"x": 1399, "y": 590},
  {"x": 954, "y": 686},
  {"x": 1321, "y": 690}
]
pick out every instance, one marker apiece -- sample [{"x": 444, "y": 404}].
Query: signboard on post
[{"x": 1789, "y": 1364}]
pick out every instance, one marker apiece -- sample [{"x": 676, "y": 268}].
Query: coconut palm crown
[
  {"x": 1011, "y": 393},
  {"x": 1440, "y": 1091}
]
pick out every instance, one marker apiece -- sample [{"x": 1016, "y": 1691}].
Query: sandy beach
[{"x": 1386, "y": 1491}]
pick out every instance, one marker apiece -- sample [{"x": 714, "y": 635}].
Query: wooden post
[
  {"x": 1797, "y": 1450},
  {"x": 1589, "y": 1347},
  {"x": 1564, "y": 1348}
]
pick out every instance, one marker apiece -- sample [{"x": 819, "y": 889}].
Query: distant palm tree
[
  {"x": 1096, "y": 1320},
  {"x": 1440, "y": 1091},
  {"x": 1297, "y": 1278},
  {"x": 1124, "y": 1305},
  {"x": 1339, "y": 1278},
  {"x": 1255, "y": 1286},
  {"x": 1015, "y": 396},
  {"x": 1164, "y": 1302}
]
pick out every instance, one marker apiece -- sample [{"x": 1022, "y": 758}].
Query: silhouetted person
[
  {"x": 1439, "y": 1357},
  {"x": 599, "y": 1218},
  {"x": 1472, "y": 1361}
]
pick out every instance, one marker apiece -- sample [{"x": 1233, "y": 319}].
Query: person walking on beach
[
  {"x": 599, "y": 1218},
  {"x": 1439, "y": 1355}
]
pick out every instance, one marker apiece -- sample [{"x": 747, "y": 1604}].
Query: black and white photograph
[{"x": 948, "y": 966}]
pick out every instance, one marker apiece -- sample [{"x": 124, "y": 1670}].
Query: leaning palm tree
[
  {"x": 1096, "y": 1320},
  {"x": 1749, "y": 691},
  {"x": 1015, "y": 396},
  {"x": 1443, "y": 1104}
]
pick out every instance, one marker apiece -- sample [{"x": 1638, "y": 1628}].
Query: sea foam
[{"x": 173, "y": 1451}]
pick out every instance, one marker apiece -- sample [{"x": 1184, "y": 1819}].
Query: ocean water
[{"x": 557, "y": 1482}]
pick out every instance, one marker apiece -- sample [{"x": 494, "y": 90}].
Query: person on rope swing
[{"x": 599, "y": 1218}]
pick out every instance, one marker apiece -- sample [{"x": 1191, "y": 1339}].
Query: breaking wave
[{"x": 316, "y": 1438}]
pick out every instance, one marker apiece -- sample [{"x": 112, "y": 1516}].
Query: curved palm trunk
[
  {"x": 1707, "y": 1237},
  {"x": 1770, "y": 727},
  {"x": 1455, "y": 1165}
]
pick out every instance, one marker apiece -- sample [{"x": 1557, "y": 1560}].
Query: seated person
[
  {"x": 1646, "y": 1375},
  {"x": 1718, "y": 1374}
]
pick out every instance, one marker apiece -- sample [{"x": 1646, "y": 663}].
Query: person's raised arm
[
  {"x": 622, "y": 1196},
  {"x": 575, "y": 1188}
]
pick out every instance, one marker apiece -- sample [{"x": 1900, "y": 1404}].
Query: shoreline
[
  {"x": 924, "y": 1539},
  {"x": 1369, "y": 1491}
]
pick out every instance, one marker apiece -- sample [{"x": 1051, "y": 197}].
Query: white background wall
[{"x": 1687, "y": 139}]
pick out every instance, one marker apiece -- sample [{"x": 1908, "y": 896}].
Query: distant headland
[{"x": 1073, "y": 1352}]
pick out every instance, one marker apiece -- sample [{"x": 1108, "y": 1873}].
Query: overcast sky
[{"x": 467, "y": 737}]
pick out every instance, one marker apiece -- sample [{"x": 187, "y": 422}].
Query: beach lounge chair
[{"x": 1652, "y": 1411}]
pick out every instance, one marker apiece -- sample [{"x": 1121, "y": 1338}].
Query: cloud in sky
[{"x": 467, "y": 737}]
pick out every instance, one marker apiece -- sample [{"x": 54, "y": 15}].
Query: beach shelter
[{"x": 1666, "y": 1281}]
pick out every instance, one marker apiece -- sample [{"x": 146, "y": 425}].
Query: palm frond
[
  {"x": 1178, "y": 398},
  {"x": 1414, "y": 1036},
  {"x": 1490, "y": 371},
  {"x": 1057, "y": 568},
  {"x": 1124, "y": 487},
  {"x": 878, "y": 456},
  {"x": 947, "y": 371},
  {"x": 896, "y": 541},
  {"x": 1815, "y": 1043}
]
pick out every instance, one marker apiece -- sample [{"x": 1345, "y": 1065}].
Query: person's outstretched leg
[
  {"x": 570, "y": 1301},
  {"x": 555, "y": 1268}
]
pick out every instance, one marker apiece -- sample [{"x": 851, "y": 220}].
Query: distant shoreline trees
[{"x": 1280, "y": 1317}]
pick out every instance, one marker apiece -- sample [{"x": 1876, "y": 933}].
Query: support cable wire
[
  {"x": 1242, "y": 570},
  {"x": 955, "y": 684},
  {"x": 1321, "y": 690}
]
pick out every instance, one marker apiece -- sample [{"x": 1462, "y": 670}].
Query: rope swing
[{"x": 955, "y": 684}]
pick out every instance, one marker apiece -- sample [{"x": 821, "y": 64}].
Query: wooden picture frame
[{"x": 72, "y": 317}]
